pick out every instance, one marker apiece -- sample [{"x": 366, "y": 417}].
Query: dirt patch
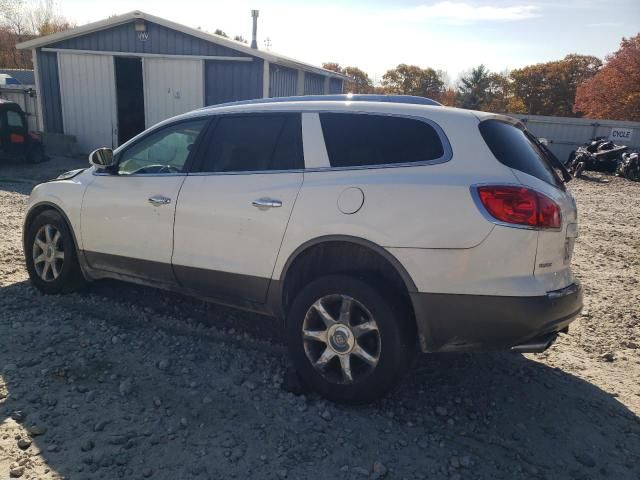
[{"x": 128, "y": 382}]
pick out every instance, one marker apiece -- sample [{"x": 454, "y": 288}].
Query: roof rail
[{"x": 348, "y": 97}]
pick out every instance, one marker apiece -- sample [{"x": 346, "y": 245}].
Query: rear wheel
[
  {"x": 350, "y": 342},
  {"x": 51, "y": 256}
]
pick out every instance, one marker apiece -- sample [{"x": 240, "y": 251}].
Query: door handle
[
  {"x": 266, "y": 203},
  {"x": 158, "y": 200}
]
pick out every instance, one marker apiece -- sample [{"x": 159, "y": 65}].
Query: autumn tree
[
  {"x": 550, "y": 88},
  {"x": 413, "y": 80},
  {"x": 22, "y": 20},
  {"x": 614, "y": 92},
  {"x": 449, "y": 97},
  {"x": 358, "y": 82},
  {"x": 333, "y": 66}
]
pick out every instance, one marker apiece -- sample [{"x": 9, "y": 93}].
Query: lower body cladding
[{"x": 453, "y": 322}]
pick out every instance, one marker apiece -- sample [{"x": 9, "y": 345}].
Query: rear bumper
[{"x": 450, "y": 322}]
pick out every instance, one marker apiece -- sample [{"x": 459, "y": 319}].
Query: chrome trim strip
[
  {"x": 563, "y": 292},
  {"x": 446, "y": 145},
  {"x": 108, "y": 174},
  {"x": 476, "y": 199}
]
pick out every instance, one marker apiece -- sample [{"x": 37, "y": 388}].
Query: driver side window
[{"x": 164, "y": 151}]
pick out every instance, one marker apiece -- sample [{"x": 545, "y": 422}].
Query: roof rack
[{"x": 348, "y": 97}]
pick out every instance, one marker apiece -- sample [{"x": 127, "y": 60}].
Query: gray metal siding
[
  {"x": 313, "y": 84},
  {"x": 231, "y": 81},
  {"x": 161, "y": 40},
  {"x": 282, "y": 81},
  {"x": 50, "y": 91},
  {"x": 565, "y": 134},
  {"x": 335, "y": 86}
]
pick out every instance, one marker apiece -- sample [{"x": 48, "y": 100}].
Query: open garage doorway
[{"x": 130, "y": 97}]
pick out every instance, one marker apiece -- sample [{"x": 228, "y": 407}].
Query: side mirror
[{"x": 102, "y": 158}]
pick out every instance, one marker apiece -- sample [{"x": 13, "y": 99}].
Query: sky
[{"x": 376, "y": 35}]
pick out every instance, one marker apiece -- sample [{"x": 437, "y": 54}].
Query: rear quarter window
[
  {"x": 511, "y": 147},
  {"x": 355, "y": 140}
]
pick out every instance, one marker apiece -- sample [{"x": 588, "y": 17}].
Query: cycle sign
[{"x": 620, "y": 134}]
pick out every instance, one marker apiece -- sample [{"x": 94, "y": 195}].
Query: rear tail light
[{"x": 519, "y": 206}]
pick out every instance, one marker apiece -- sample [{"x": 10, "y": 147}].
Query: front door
[
  {"x": 127, "y": 215},
  {"x": 233, "y": 212}
]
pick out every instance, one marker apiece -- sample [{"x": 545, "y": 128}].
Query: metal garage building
[{"x": 106, "y": 81}]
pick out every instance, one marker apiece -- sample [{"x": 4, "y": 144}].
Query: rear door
[{"x": 233, "y": 211}]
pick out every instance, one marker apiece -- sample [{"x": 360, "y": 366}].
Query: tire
[
  {"x": 391, "y": 346},
  {"x": 36, "y": 155},
  {"x": 40, "y": 238}
]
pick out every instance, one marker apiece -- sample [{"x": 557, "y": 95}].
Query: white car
[{"x": 373, "y": 226}]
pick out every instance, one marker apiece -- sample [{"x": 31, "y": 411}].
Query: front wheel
[
  {"x": 50, "y": 254},
  {"x": 349, "y": 341}
]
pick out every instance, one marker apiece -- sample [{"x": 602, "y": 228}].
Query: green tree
[
  {"x": 413, "y": 80},
  {"x": 473, "y": 88},
  {"x": 221, "y": 33}
]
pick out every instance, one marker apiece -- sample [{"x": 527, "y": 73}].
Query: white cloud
[
  {"x": 463, "y": 13},
  {"x": 604, "y": 24}
]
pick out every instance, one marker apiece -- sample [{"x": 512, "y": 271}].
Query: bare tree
[{"x": 22, "y": 20}]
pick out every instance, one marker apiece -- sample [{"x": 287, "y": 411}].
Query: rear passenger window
[
  {"x": 247, "y": 143},
  {"x": 510, "y": 145},
  {"x": 354, "y": 140}
]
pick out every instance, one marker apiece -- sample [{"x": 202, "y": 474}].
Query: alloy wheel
[
  {"x": 48, "y": 253},
  {"x": 341, "y": 339}
]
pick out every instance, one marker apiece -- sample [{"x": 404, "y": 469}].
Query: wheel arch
[
  {"x": 36, "y": 210},
  {"x": 385, "y": 264}
]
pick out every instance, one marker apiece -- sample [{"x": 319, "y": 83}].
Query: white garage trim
[
  {"x": 266, "y": 78},
  {"x": 150, "y": 55},
  {"x": 39, "y": 112}
]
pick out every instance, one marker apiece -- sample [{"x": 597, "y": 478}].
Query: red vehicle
[{"x": 16, "y": 142}]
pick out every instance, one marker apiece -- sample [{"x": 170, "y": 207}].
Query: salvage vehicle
[
  {"x": 16, "y": 141},
  {"x": 373, "y": 226},
  {"x": 598, "y": 155}
]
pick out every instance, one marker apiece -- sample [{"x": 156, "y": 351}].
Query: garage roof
[{"x": 210, "y": 37}]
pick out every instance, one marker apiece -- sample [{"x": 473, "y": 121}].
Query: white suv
[{"x": 373, "y": 226}]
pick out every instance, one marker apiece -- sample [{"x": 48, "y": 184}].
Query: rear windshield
[{"x": 512, "y": 148}]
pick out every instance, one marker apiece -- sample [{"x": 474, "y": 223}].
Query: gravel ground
[{"x": 128, "y": 382}]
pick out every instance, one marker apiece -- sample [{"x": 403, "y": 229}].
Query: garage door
[
  {"x": 171, "y": 87},
  {"x": 87, "y": 89}
]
